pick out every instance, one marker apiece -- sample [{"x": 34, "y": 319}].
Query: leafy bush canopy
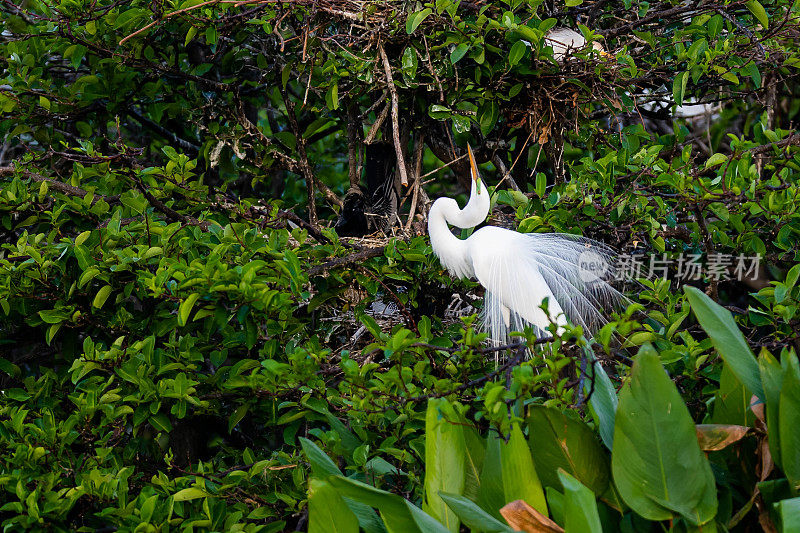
[{"x": 185, "y": 343}]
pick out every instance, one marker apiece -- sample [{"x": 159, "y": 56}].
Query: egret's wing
[{"x": 520, "y": 270}]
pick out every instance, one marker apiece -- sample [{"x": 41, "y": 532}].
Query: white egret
[
  {"x": 565, "y": 41},
  {"x": 521, "y": 270}
]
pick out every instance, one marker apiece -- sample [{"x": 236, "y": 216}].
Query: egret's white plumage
[
  {"x": 565, "y": 41},
  {"x": 520, "y": 270}
]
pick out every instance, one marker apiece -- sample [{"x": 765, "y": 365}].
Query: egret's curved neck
[{"x": 451, "y": 250}]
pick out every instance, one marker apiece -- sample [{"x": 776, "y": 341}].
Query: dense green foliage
[{"x": 186, "y": 344}]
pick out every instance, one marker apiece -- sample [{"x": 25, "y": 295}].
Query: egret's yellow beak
[{"x": 474, "y": 169}]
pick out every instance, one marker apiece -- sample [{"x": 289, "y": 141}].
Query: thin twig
[{"x": 401, "y": 162}]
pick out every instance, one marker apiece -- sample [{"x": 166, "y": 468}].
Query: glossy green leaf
[
  {"x": 789, "y": 421},
  {"x": 517, "y": 52},
  {"x": 473, "y": 516},
  {"x": 185, "y": 308},
  {"x": 580, "y": 507},
  {"x": 758, "y": 12},
  {"x": 657, "y": 464},
  {"x": 679, "y": 87},
  {"x": 727, "y": 338},
  {"x": 399, "y": 515},
  {"x": 101, "y": 296},
  {"x": 415, "y": 19},
  {"x": 560, "y": 442},
  {"x": 445, "y": 451},
  {"x": 192, "y": 493},
  {"x": 520, "y": 480},
  {"x": 327, "y": 511}
]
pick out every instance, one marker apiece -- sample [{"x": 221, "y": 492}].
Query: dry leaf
[
  {"x": 766, "y": 464},
  {"x": 523, "y": 517},
  {"x": 713, "y": 437}
]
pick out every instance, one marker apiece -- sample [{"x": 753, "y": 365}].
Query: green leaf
[
  {"x": 732, "y": 401},
  {"x": 439, "y": 112},
  {"x": 602, "y": 401},
  {"x": 185, "y": 308},
  {"x": 657, "y": 464},
  {"x": 520, "y": 480},
  {"x": 192, "y": 493},
  {"x": 161, "y": 422},
  {"x": 410, "y": 62},
  {"x": 789, "y": 511},
  {"x": 727, "y": 339},
  {"x": 101, "y": 296},
  {"x": 580, "y": 507},
  {"x": 445, "y": 450},
  {"x": 716, "y": 159},
  {"x": 789, "y": 422},
  {"x": 327, "y": 511},
  {"x": 473, "y": 516},
  {"x": 516, "y": 53},
  {"x": 398, "y": 514},
  {"x": 80, "y": 239},
  {"x": 332, "y": 97},
  {"x": 237, "y": 416},
  {"x": 323, "y": 467},
  {"x": 492, "y": 493},
  {"x": 772, "y": 380},
  {"x": 415, "y": 19},
  {"x": 679, "y": 87},
  {"x": 459, "y": 52},
  {"x": 758, "y": 12},
  {"x": 563, "y": 443},
  {"x": 488, "y": 115}
]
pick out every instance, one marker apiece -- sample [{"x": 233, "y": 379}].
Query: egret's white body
[
  {"x": 565, "y": 41},
  {"x": 520, "y": 270}
]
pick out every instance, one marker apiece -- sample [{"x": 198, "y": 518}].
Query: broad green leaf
[
  {"x": 727, "y": 339},
  {"x": 602, "y": 399},
  {"x": 101, "y": 296},
  {"x": 332, "y": 97},
  {"x": 323, "y": 467},
  {"x": 327, "y": 511},
  {"x": 459, "y": 52},
  {"x": 516, "y": 53},
  {"x": 445, "y": 451},
  {"x": 488, "y": 115},
  {"x": 520, "y": 480},
  {"x": 492, "y": 494},
  {"x": 789, "y": 421},
  {"x": 161, "y": 422},
  {"x": 415, "y": 19},
  {"x": 559, "y": 442},
  {"x": 399, "y": 515},
  {"x": 410, "y": 62},
  {"x": 473, "y": 516},
  {"x": 657, "y": 464},
  {"x": 789, "y": 512},
  {"x": 185, "y": 308},
  {"x": 716, "y": 159},
  {"x": 772, "y": 381},
  {"x": 580, "y": 507},
  {"x": 192, "y": 493},
  {"x": 475, "y": 451},
  {"x": 679, "y": 87},
  {"x": 732, "y": 401},
  {"x": 758, "y": 12}
]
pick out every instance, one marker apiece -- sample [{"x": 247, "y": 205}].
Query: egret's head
[{"x": 473, "y": 167}]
